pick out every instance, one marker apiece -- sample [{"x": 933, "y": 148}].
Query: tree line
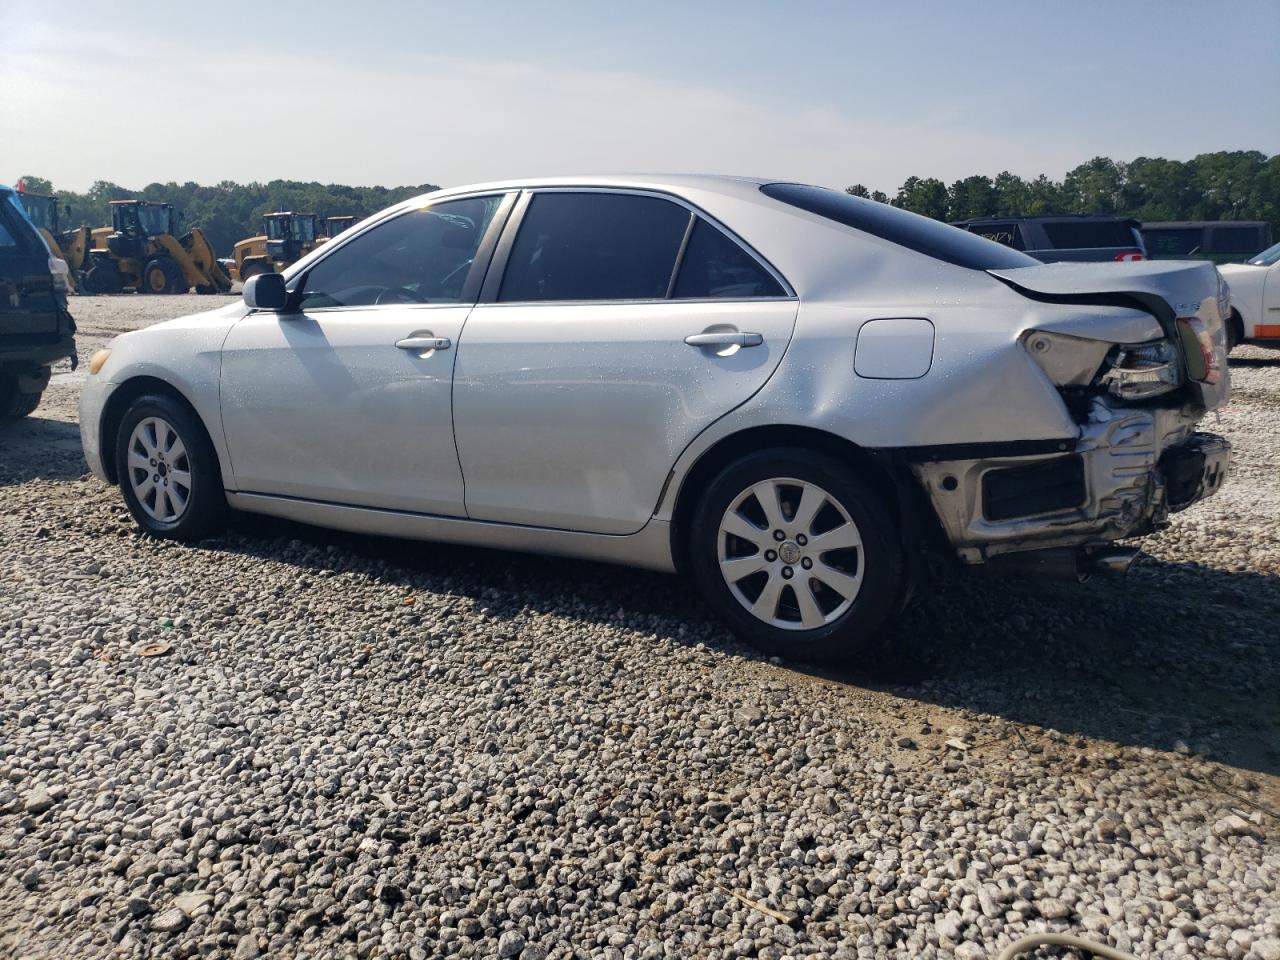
[
  {"x": 1227, "y": 185},
  {"x": 228, "y": 211}
]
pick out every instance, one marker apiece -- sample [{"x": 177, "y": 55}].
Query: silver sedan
[{"x": 805, "y": 402}]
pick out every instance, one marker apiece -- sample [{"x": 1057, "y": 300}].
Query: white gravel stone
[{"x": 548, "y": 760}]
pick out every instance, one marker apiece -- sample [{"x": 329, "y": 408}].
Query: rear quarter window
[{"x": 920, "y": 234}]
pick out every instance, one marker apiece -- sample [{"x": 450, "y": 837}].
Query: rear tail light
[
  {"x": 1129, "y": 257},
  {"x": 1197, "y": 346},
  {"x": 1142, "y": 370}
]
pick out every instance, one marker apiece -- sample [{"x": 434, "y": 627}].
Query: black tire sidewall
[
  {"x": 858, "y": 632},
  {"x": 207, "y": 501}
]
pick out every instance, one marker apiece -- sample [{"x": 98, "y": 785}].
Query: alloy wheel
[
  {"x": 790, "y": 553},
  {"x": 159, "y": 470}
]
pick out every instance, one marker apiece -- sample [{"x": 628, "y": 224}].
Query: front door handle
[
  {"x": 726, "y": 339},
  {"x": 424, "y": 343}
]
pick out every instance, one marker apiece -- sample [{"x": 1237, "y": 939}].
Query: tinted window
[
  {"x": 1267, "y": 257},
  {"x": 422, "y": 256},
  {"x": 1235, "y": 240},
  {"x": 938, "y": 240},
  {"x": 715, "y": 265},
  {"x": 12, "y": 221},
  {"x": 1006, "y": 234},
  {"x": 594, "y": 246},
  {"x": 1080, "y": 234},
  {"x": 1174, "y": 241}
]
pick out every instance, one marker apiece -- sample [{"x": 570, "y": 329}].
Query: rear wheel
[
  {"x": 799, "y": 555},
  {"x": 168, "y": 470},
  {"x": 162, "y": 275},
  {"x": 14, "y": 404}
]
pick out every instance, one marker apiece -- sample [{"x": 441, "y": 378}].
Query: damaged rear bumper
[{"x": 1129, "y": 469}]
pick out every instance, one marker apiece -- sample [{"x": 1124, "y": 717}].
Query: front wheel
[
  {"x": 799, "y": 555},
  {"x": 162, "y": 275},
  {"x": 168, "y": 471}
]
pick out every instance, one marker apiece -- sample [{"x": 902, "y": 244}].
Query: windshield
[
  {"x": 154, "y": 220},
  {"x": 278, "y": 228},
  {"x": 304, "y": 229},
  {"x": 41, "y": 210},
  {"x": 1267, "y": 257},
  {"x": 938, "y": 240}
]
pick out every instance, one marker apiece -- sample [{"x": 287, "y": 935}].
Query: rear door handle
[
  {"x": 726, "y": 339},
  {"x": 424, "y": 343}
]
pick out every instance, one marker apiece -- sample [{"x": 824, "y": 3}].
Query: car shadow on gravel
[
  {"x": 35, "y": 448},
  {"x": 1174, "y": 656}
]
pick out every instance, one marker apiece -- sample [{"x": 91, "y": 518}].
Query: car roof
[{"x": 661, "y": 182}]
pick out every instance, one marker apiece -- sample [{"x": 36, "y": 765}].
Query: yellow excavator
[
  {"x": 140, "y": 251},
  {"x": 71, "y": 245},
  {"x": 285, "y": 237}
]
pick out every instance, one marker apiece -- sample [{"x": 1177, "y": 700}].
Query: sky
[{"x": 832, "y": 93}]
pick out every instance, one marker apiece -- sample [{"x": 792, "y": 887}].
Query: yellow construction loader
[
  {"x": 71, "y": 245},
  {"x": 286, "y": 237},
  {"x": 140, "y": 251},
  {"x": 335, "y": 225}
]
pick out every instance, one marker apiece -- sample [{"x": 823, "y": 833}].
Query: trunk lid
[{"x": 1168, "y": 289}]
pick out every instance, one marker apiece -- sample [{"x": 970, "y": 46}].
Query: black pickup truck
[
  {"x": 1054, "y": 239},
  {"x": 36, "y": 329}
]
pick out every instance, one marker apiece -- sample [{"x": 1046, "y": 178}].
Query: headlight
[
  {"x": 1142, "y": 370},
  {"x": 60, "y": 271},
  {"x": 97, "y": 360}
]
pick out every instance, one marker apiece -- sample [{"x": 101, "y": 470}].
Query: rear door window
[
  {"x": 594, "y": 246},
  {"x": 1070, "y": 235},
  {"x": 716, "y": 266}
]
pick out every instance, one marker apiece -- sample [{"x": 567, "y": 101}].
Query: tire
[
  {"x": 14, "y": 405},
  {"x": 190, "y": 464},
  {"x": 853, "y": 591},
  {"x": 103, "y": 278},
  {"x": 1235, "y": 331},
  {"x": 162, "y": 275}
]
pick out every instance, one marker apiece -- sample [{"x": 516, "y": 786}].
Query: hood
[
  {"x": 1184, "y": 285},
  {"x": 1234, "y": 270}
]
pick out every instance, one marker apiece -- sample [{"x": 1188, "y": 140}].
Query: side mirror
[{"x": 266, "y": 292}]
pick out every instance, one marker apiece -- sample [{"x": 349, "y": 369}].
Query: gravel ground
[{"x": 363, "y": 747}]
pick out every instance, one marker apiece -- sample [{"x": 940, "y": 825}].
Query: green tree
[
  {"x": 1094, "y": 187},
  {"x": 34, "y": 184},
  {"x": 927, "y": 197},
  {"x": 1012, "y": 195},
  {"x": 858, "y": 190},
  {"x": 971, "y": 197}
]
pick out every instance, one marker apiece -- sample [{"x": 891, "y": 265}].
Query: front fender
[{"x": 186, "y": 356}]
